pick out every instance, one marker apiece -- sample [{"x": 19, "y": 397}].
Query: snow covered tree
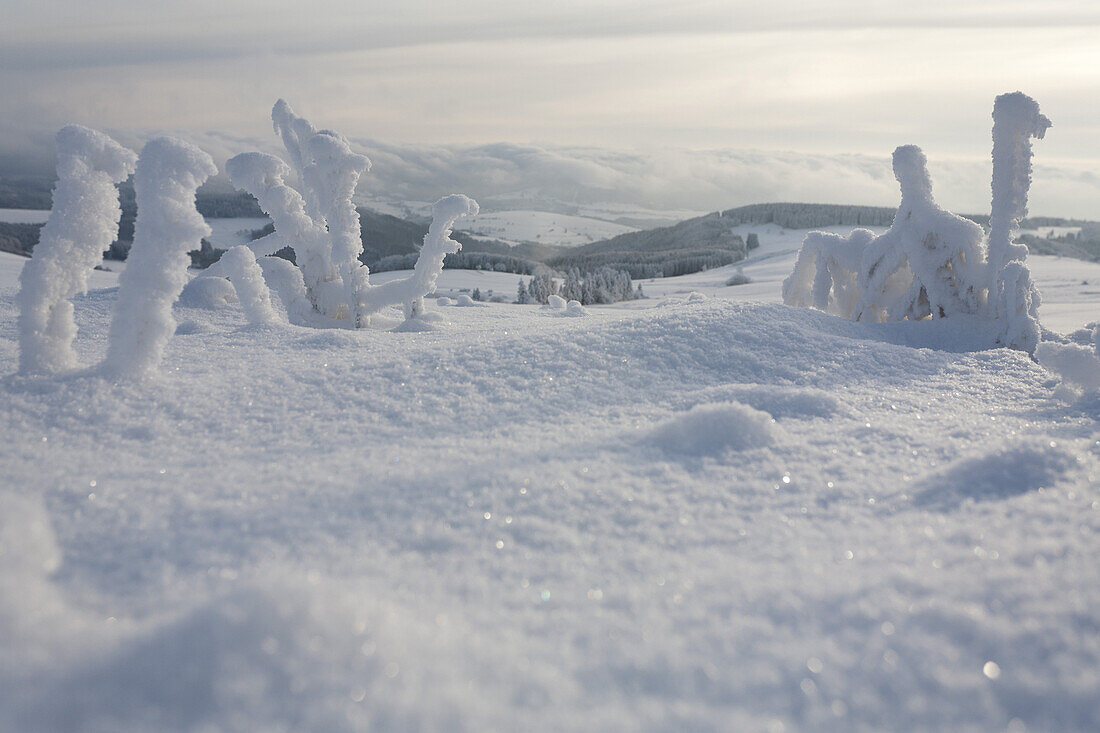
[
  {"x": 82, "y": 224},
  {"x": 521, "y": 294},
  {"x": 168, "y": 226}
]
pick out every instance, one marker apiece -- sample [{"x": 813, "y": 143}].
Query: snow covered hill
[
  {"x": 701, "y": 514},
  {"x": 542, "y": 227}
]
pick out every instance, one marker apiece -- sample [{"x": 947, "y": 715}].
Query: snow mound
[
  {"x": 574, "y": 309},
  {"x": 209, "y": 293},
  {"x": 714, "y": 429},
  {"x": 799, "y": 403},
  {"x": 443, "y": 301},
  {"x": 995, "y": 476},
  {"x": 465, "y": 301},
  {"x": 415, "y": 325},
  {"x": 556, "y": 302},
  {"x": 1078, "y": 366}
]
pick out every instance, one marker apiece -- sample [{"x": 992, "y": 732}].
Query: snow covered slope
[
  {"x": 543, "y": 227},
  {"x": 702, "y": 515}
]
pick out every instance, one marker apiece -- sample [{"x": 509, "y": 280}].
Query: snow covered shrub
[
  {"x": 82, "y": 224},
  {"x": 168, "y": 227},
  {"x": 319, "y": 222},
  {"x": 931, "y": 263}
]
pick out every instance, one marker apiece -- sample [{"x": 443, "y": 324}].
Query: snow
[
  {"x": 704, "y": 514},
  {"x": 1070, "y": 287},
  {"x": 229, "y": 232},
  {"x": 248, "y": 281},
  {"x": 168, "y": 173},
  {"x": 82, "y": 224},
  {"x": 543, "y": 227}
]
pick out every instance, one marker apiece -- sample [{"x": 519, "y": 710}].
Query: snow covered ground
[
  {"x": 542, "y": 227},
  {"x": 686, "y": 513}
]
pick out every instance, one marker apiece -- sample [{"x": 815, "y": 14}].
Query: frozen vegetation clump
[
  {"x": 318, "y": 220},
  {"x": 168, "y": 226},
  {"x": 931, "y": 263},
  {"x": 82, "y": 224}
]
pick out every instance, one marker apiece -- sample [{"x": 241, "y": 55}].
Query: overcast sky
[{"x": 822, "y": 78}]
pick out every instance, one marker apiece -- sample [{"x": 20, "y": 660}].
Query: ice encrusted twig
[
  {"x": 168, "y": 226},
  {"x": 82, "y": 224}
]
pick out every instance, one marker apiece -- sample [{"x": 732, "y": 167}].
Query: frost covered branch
[
  {"x": 437, "y": 245},
  {"x": 168, "y": 226},
  {"x": 82, "y": 224}
]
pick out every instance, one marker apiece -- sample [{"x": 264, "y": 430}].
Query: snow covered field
[
  {"x": 542, "y": 227},
  {"x": 688, "y": 513}
]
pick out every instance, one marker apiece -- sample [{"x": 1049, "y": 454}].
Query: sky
[{"x": 648, "y": 80}]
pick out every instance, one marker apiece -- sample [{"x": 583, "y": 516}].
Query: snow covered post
[
  {"x": 82, "y": 224},
  {"x": 437, "y": 245},
  {"x": 168, "y": 226},
  {"x": 1013, "y": 297},
  {"x": 252, "y": 291}
]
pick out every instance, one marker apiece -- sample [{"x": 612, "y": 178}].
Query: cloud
[{"x": 513, "y": 176}]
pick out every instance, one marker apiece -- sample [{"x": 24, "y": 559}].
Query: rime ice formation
[
  {"x": 437, "y": 245},
  {"x": 942, "y": 251},
  {"x": 82, "y": 224},
  {"x": 826, "y": 272},
  {"x": 248, "y": 280},
  {"x": 320, "y": 223},
  {"x": 285, "y": 280},
  {"x": 1013, "y": 297},
  {"x": 927, "y": 264},
  {"x": 932, "y": 263},
  {"x": 168, "y": 226}
]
